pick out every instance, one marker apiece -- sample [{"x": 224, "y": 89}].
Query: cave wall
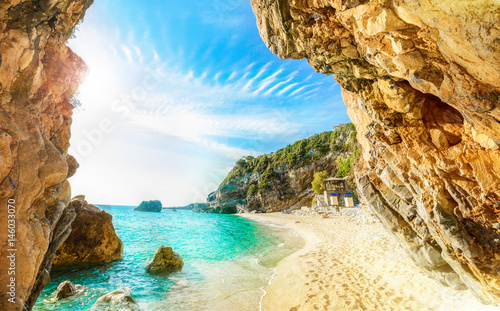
[
  {"x": 421, "y": 81},
  {"x": 39, "y": 75}
]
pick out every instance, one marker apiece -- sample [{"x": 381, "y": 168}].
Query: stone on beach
[{"x": 165, "y": 261}]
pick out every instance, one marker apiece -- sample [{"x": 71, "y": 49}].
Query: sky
[{"x": 177, "y": 92}]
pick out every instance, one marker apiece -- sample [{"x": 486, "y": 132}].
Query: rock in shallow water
[
  {"x": 149, "y": 206},
  {"x": 93, "y": 238},
  {"x": 165, "y": 261},
  {"x": 119, "y": 299},
  {"x": 67, "y": 289}
]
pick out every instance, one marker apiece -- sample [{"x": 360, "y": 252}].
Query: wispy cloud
[
  {"x": 287, "y": 88},
  {"x": 278, "y": 85},
  {"x": 267, "y": 81},
  {"x": 198, "y": 105}
]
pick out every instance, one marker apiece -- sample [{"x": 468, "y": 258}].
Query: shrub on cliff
[
  {"x": 317, "y": 183},
  {"x": 263, "y": 185},
  {"x": 345, "y": 166},
  {"x": 251, "y": 190}
]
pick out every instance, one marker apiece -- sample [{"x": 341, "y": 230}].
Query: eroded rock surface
[
  {"x": 165, "y": 261},
  {"x": 120, "y": 299},
  {"x": 67, "y": 289},
  {"x": 421, "y": 80},
  {"x": 93, "y": 238},
  {"x": 39, "y": 75}
]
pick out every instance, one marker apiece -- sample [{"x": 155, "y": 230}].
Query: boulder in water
[
  {"x": 93, "y": 238},
  {"x": 67, "y": 289},
  {"x": 149, "y": 206},
  {"x": 165, "y": 261},
  {"x": 119, "y": 299}
]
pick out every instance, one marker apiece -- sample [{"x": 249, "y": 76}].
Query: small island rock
[
  {"x": 119, "y": 299},
  {"x": 67, "y": 289},
  {"x": 165, "y": 261},
  {"x": 149, "y": 206}
]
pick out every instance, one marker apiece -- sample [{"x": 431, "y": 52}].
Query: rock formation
[
  {"x": 39, "y": 75},
  {"x": 282, "y": 180},
  {"x": 149, "y": 206},
  {"x": 67, "y": 289},
  {"x": 165, "y": 261},
  {"x": 93, "y": 238},
  {"x": 120, "y": 299},
  {"x": 421, "y": 81}
]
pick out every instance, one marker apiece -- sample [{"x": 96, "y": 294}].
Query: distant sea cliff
[{"x": 280, "y": 180}]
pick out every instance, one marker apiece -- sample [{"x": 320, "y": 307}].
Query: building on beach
[{"x": 337, "y": 192}]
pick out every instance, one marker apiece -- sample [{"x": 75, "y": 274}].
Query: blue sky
[{"x": 179, "y": 90}]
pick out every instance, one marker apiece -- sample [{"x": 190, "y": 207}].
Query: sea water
[{"x": 227, "y": 262}]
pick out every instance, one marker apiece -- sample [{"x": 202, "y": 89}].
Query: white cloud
[{"x": 287, "y": 88}]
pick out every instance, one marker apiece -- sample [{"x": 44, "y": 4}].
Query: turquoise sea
[{"x": 227, "y": 262}]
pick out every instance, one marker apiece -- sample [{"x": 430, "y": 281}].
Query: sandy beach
[{"x": 349, "y": 263}]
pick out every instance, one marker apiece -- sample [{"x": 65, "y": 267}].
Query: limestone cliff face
[
  {"x": 421, "y": 80},
  {"x": 38, "y": 76}
]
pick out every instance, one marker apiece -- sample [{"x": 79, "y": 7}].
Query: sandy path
[{"x": 347, "y": 265}]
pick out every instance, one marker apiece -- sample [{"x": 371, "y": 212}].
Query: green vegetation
[
  {"x": 345, "y": 164},
  {"x": 252, "y": 190},
  {"x": 71, "y": 32},
  {"x": 296, "y": 155},
  {"x": 317, "y": 183},
  {"x": 75, "y": 100},
  {"x": 263, "y": 185}
]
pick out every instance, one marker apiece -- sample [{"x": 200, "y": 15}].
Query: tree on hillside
[
  {"x": 241, "y": 163},
  {"x": 345, "y": 166},
  {"x": 317, "y": 183}
]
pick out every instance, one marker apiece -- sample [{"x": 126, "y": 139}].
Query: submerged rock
[
  {"x": 93, "y": 238},
  {"x": 149, "y": 206},
  {"x": 67, "y": 289},
  {"x": 165, "y": 261},
  {"x": 120, "y": 299}
]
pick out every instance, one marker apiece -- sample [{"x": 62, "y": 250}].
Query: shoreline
[
  {"x": 352, "y": 263},
  {"x": 286, "y": 274}
]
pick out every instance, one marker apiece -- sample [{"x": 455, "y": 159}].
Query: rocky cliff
[
  {"x": 38, "y": 76},
  {"x": 421, "y": 81},
  {"x": 281, "y": 180}
]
